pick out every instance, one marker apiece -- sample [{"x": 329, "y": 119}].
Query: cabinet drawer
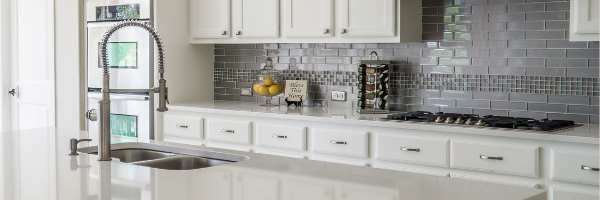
[
  {"x": 183, "y": 126},
  {"x": 413, "y": 150},
  {"x": 230, "y": 131},
  {"x": 515, "y": 160},
  {"x": 569, "y": 194},
  {"x": 348, "y": 143},
  {"x": 286, "y": 137},
  {"x": 571, "y": 166}
]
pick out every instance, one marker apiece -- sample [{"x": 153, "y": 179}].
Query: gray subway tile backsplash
[{"x": 500, "y": 57}]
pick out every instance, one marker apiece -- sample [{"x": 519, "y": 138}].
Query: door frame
[{"x": 5, "y": 65}]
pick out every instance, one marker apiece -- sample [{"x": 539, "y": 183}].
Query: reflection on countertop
[
  {"x": 36, "y": 166},
  {"x": 587, "y": 133}
]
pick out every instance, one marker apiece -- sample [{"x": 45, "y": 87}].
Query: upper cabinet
[
  {"x": 308, "y": 18},
  {"x": 372, "y": 18},
  {"x": 585, "y": 16},
  {"x": 219, "y": 13},
  {"x": 255, "y": 18},
  {"x": 305, "y": 21}
]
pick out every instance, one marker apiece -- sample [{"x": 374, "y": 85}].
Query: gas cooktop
[{"x": 486, "y": 121}]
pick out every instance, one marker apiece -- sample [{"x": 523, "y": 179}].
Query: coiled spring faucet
[{"x": 104, "y": 103}]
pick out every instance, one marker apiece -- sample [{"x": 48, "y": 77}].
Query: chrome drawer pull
[
  {"x": 227, "y": 131},
  {"x": 181, "y": 126},
  {"x": 409, "y": 149},
  {"x": 490, "y": 157},
  {"x": 337, "y": 142},
  {"x": 583, "y": 167},
  {"x": 279, "y": 136}
]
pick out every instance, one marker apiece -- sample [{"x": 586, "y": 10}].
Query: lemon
[
  {"x": 268, "y": 81},
  {"x": 264, "y": 90},
  {"x": 256, "y": 86},
  {"x": 275, "y": 89}
]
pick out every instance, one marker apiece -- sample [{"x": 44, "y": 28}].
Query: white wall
[
  {"x": 188, "y": 68},
  {"x": 69, "y": 38},
  {"x": 4, "y": 65}
]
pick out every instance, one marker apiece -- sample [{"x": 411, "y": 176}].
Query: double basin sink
[{"x": 166, "y": 157}]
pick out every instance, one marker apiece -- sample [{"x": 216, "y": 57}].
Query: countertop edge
[{"x": 521, "y": 134}]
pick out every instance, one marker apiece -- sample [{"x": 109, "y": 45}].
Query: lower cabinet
[
  {"x": 308, "y": 189},
  {"x": 230, "y": 131},
  {"x": 570, "y": 194},
  {"x": 347, "y": 143},
  {"x": 575, "y": 167},
  {"x": 413, "y": 150},
  {"x": 514, "y": 160},
  {"x": 488, "y": 161},
  {"x": 250, "y": 186}
]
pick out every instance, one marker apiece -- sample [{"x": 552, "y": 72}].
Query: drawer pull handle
[
  {"x": 337, "y": 142},
  {"x": 409, "y": 149},
  {"x": 279, "y": 136},
  {"x": 181, "y": 126},
  {"x": 490, "y": 157},
  {"x": 583, "y": 167},
  {"x": 227, "y": 131}
]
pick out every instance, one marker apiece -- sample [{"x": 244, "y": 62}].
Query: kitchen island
[{"x": 35, "y": 165}]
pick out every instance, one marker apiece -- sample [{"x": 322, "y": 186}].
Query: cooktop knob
[
  {"x": 470, "y": 121},
  {"x": 480, "y": 123},
  {"x": 459, "y": 121},
  {"x": 449, "y": 120},
  {"x": 439, "y": 120}
]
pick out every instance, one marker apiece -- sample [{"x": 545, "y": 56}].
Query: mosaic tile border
[{"x": 461, "y": 82}]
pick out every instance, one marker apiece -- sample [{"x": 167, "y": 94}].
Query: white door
[
  {"x": 32, "y": 64},
  {"x": 368, "y": 18},
  {"x": 210, "y": 18},
  {"x": 308, "y": 18},
  {"x": 256, "y": 18}
]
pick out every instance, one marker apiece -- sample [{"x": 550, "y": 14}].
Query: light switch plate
[
  {"x": 338, "y": 95},
  {"x": 246, "y": 91}
]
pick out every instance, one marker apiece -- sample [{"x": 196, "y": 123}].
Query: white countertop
[
  {"x": 587, "y": 133},
  {"x": 35, "y": 165}
]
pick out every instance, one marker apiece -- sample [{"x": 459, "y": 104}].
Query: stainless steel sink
[
  {"x": 136, "y": 155},
  {"x": 166, "y": 157},
  {"x": 182, "y": 163}
]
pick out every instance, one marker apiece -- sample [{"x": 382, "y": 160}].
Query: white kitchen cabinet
[
  {"x": 256, "y": 18},
  {"x": 217, "y": 186},
  {"x": 308, "y": 189},
  {"x": 515, "y": 160},
  {"x": 308, "y": 18},
  {"x": 570, "y": 194},
  {"x": 584, "y": 24},
  {"x": 278, "y": 136},
  {"x": 341, "y": 142},
  {"x": 575, "y": 167},
  {"x": 183, "y": 126},
  {"x": 361, "y": 192},
  {"x": 229, "y": 131},
  {"x": 413, "y": 150},
  {"x": 256, "y": 185},
  {"x": 368, "y": 18},
  {"x": 307, "y": 21},
  {"x": 210, "y": 19}
]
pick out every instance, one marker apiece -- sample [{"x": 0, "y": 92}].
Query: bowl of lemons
[{"x": 269, "y": 82}]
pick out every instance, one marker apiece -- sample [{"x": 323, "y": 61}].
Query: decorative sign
[{"x": 295, "y": 90}]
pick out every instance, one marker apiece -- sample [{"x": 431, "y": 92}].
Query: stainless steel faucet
[{"x": 104, "y": 103}]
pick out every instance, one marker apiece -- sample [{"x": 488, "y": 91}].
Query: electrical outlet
[
  {"x": 338, "y": 95},
  {"x": 246, "y": 91}
]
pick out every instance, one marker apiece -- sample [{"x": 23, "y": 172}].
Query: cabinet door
[
  {"x": 308, "y": 189},
  {"x": 585, "y": 16},
  {"x": 368, "y": 18},
  {"x": 308, "y": 18},
  {"x": 256, "y": 18},
  {"x": 210, "y": 18}
]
